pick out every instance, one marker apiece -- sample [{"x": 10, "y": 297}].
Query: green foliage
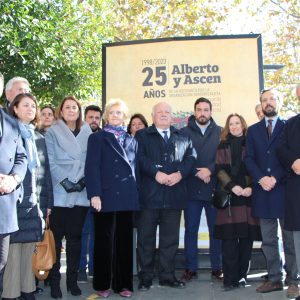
[
  {"x": 136, "y": 20},
  {"x": 284, "y": 49},
  {"x": 55, "y": 44}
]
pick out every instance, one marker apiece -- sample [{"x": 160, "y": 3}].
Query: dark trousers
[
  {"x": 192, "y": 215},
  {"x": 67, "y": 222},
  {"x": 236, "y": 259},
  {"x": 4, "y": 247},
  {"x": 87, "y": 243},
  {"x": 113, "y": 251},
  {"x": 147, "y": 222}
]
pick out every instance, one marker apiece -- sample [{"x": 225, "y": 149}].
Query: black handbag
[{"x": 221, "y": 199}]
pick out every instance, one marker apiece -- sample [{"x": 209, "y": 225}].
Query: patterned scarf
[
  {"x": 27, "y": 133},
  {"x": 118, "y": 131}
]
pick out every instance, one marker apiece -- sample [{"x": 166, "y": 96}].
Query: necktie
[
  {"x": 165, "y": 132},
  {"x": 270, "y": 127}
]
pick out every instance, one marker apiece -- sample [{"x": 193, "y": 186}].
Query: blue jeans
[
  {"x": 192, "y": 215},
  {"x": 87, "y": 243}
]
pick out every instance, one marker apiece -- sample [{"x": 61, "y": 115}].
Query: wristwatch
[{"x": 16, "y": 178}]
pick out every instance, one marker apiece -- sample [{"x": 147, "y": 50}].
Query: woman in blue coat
[
  {"x": 111, "y": 187},
  {"x": 19, "y": 277}
]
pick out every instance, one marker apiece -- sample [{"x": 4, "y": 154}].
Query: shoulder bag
[{"x": 44, "y": 255}]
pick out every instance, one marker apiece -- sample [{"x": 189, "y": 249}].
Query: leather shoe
[
  {"x": 217, "y": 274},
  {"x": 188, "y": 275},
  {"x": 229, "y": 287},
  {"x": 144, "y": 285},
  {"x": 172, "y": 283},
  {"x": 126, "y": 293},
  {"x": 104, "y": 293},
  {"x": 269, "y": 286}
]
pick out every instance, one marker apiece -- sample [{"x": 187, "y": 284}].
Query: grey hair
[
  {"x": 154, "y": 107},
  {"x": 257, "y": 105},
  {"x": 12, "y": 81},
  {"x": 112, "y": 102}
]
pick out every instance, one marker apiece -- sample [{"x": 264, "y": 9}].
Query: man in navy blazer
[
  {"x": 289, "y": 155},
  {"x": 13, "y": 165},
  {"x": 268, "y": 193}
]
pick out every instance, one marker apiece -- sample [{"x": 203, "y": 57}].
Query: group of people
[{"x": 95, "y": 185}]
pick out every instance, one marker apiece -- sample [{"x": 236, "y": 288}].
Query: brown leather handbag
[{"x": 44, "y": 255}]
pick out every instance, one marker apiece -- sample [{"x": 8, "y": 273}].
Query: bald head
[{"x": 162, "y": 115}]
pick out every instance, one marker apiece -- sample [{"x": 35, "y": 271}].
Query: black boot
[
  {"x": 73, "y": 257},
  {"x": 54, "y": 275},
  {"x": 74, "y": 290},
  {"x": 55, "y": 282},
  {"x": 55, "y": 291},
  {"x": 72, "y": 286}
]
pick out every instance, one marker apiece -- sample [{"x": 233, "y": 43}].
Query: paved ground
[{"x": 204, "y": 288}]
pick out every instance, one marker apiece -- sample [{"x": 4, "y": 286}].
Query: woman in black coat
[
  {"x": 111, "y": 186},
  {"x": 234, "y": 225},
  {"x": 19, "y": 277}
]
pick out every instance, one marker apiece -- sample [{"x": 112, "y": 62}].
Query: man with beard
[
  {"x": 92, "y": 116},
  {"x": 205, "y": 135},
  {"x": 268, "y": 177}
]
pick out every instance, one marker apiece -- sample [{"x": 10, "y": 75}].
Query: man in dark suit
[
  {"x": 205, "y": 135},
  {"x": 13, "y": 166},
  {"x": 166, "y": 157},
  {"x": 289, "y": 155},
  {"x": 268, "y": 193}
]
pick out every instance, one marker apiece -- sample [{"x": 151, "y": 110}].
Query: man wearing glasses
[{"x": 268, "y": 194}]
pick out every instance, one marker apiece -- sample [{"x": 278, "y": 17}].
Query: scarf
[
  {"x": 236, "y": 144},
  {"x": 27, "y": 133},
  {"x": 118, "y": 131}
]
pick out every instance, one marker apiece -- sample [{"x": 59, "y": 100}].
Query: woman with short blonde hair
[
  {"x": 110, "y": 172},
  {"x": 116, "y": 102}
]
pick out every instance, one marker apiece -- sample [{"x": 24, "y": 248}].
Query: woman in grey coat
[{"x": 66, "y": 142}]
